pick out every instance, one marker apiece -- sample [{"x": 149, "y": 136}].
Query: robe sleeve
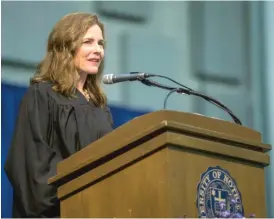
[{"x": 31, "y": 161}]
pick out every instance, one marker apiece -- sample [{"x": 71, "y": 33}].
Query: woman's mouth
[{"x": 94, "y": 60}]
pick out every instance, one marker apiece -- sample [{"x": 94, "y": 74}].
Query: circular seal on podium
[{"x": 217, "y": 194}]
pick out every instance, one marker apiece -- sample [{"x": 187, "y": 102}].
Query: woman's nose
[{"x": 97, "y": 47}]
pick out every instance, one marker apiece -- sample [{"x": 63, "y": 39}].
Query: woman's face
[{"x": 91, "y": 52}]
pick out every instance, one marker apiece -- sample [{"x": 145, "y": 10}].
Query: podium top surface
[{"x": 145, "y": 126}]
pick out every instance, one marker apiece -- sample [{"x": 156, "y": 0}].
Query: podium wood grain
[{"x": 151, "y": 166}]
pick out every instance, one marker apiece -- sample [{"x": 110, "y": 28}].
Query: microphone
[
  {"x": 132, "y": 76},
  {"x": 138, "y": 76}
]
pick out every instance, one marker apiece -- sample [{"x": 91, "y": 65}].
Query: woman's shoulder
[
  {"x": 41, "y": 87},
  {"x": 45, "y": 90},
  {"x": 37, "y": 90}
]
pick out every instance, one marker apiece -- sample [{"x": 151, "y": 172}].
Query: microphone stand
[{"x": 189, "y": 91}]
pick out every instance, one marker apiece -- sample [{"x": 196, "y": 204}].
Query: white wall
[
  {"x": 158, "y": 46},
  {"x": 269, "y": 91},
  {"x": 164, "y": 45}
]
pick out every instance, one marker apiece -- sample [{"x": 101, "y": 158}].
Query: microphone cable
[{"x": 189, "y": 91}]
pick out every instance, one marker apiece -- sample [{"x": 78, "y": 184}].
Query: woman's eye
[{"x": 87, "y": 42}]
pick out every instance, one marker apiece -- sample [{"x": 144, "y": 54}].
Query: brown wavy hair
[{"x": 58, "y": 64}]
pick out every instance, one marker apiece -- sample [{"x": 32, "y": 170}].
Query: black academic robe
[{"x": 50, "y": 127}]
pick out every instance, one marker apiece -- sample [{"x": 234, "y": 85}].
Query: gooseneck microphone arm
[
  {"x": 142, "y": 77},
  {"x": 191, "y": 92}
]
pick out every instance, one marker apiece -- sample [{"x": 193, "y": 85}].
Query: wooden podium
[{"x": 152, "y": 166}]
